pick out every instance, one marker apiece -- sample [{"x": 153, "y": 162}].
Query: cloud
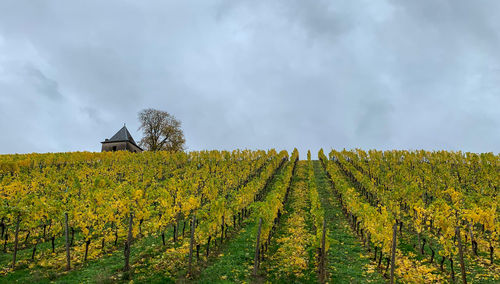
[
  {"x": 283, "y": 74},
  {"x": 43, "y": 85}
]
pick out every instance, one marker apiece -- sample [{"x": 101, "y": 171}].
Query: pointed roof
[{"x": 122, "y": 136}]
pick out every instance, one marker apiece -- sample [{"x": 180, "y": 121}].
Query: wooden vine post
[
  {"x": 16, "y": 240},
  {"x": 322, "y": 270},
  {"x": 393, "y": 252},
  {"x": 257, "y": 246},
  {"x": 66, "y": 234},
  {"x": 461, "y": 254},
  {"x": 126, "y": 268},
  {"x": 191, "y": 243}
]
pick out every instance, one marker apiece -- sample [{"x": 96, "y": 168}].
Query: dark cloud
[{"x": 258, "y": 74}]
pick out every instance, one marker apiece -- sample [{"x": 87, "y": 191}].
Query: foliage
[{"x": 161, "y": 131}]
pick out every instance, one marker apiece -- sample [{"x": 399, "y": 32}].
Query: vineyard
[{"x": 250, "y": 216}]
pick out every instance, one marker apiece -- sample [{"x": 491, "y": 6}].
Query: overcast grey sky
[{"x": 252, "y": 74}]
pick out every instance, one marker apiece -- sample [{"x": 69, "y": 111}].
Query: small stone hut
[{"x": 121, "y": 141}]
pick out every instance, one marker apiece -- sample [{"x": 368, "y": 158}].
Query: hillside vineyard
[{"x": 250, "y": 216}]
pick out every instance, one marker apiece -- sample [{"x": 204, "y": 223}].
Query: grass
[
  {"x": 299, "y": 204},
  {"x": 235, "y": 263},
  {"x": 348, "y": 261}
]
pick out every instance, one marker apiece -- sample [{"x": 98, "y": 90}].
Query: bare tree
[{"x": 161, "y": 131}]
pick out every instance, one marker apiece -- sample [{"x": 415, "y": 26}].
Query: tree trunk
[
  {"x": 27, "y": 237},
  {"x": 380, "y": 257},
  {"x": 34, "y": 251},
  {"x": 72, "y": 236},
  {"x": 491, "y": 253},
  {"x": 422, "y": 249},
  {"x": 208, "y": 245},
  {"x": 87, "y": 243},
  {"x": 2, "y": 224},
  {"x": 52, "y": 241},
  {"x": 222, "y": 230},
  {"x": 387, "y": 266},
  {"x": 443, "y": 258}
]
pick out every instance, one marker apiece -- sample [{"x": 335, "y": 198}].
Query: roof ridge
[{"x": 122, "y": 135}]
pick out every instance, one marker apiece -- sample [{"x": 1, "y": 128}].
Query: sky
[{"x": 254, "y": 74}]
